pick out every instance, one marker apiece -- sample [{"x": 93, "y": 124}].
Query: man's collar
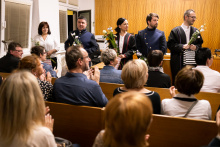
[
  {"x": 84, "y": 30},
  {"x": 184, "y": 26}
]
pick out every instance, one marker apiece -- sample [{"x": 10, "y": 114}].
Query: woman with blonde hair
[
  {"x": 127, "y": 118},
  {"x": 22, "y": 111},
  {"x": 134, "y": 75},
  {"x": 32, "y": 63}
]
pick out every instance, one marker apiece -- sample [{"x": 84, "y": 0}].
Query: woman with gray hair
[{"x": 109, "y": 74}]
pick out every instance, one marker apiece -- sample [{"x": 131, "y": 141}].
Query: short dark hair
[
  {"x": 189, "y": 81},
  {"x": 187, "y": 13},
  {"x": 37, "y": 50},
  {"x": 12, "y": 46},
  {"x": 154, "y": 58},
  {"x": 73, "y": 53},
  {"x": 149, "y": 17},
  {"x": 82, "y": 17},
  {"x": 202, "y": 55},
  {"x": 41, "y": 25}
]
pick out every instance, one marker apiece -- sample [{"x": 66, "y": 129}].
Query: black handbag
[{"x": 61, "y": 142}]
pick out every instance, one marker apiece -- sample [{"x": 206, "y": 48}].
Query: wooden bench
[
  {"x": 167, "y": 131},
  {"x": 213, "y": 98},
  {"x": 79, "y": 124},
  {"x": 4, "y": 75}
]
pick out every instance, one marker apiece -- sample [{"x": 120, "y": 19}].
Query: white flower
[
  {"x": 202, "y": 30},
  {"x": 197, "y": 31},
  {"x": 73, "y": 34},
  {"x": 104, "y": 31},
  {"x": 202, "y": 26},
  {"x": 198, "y": 37},
  {"x": 77, "y": 37}
]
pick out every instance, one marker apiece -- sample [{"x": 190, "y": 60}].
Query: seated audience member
[
  {"x": 22, "y": 110},
  {"x": 75, "y": 88},
  {"x": 109, "y": 74},
  {"x": 204, "y": 60},
  {"x": 134, "y": 75},
  {"x": 41, "y": 53},
  {"x": 216, "y": 141},
  {"x": 184, "y": 104},
  {"x": 156, "y": 76},
  {"x": 10, "y": 61},
  {"x": 127, "y": 118},
  {"x": 32, "y": 64}
]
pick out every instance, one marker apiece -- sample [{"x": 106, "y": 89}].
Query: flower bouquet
[
  {"x": 110, "y": 38},
  {"x": 76, "y": 39},
  {"x": 140, "y": 56},
  {"x": 195, "y": 35}
]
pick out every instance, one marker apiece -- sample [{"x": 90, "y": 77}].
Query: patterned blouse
[{"x": 47, "y": 89}]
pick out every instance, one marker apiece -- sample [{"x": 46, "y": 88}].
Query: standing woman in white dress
[{"x": 45, "y": 39}]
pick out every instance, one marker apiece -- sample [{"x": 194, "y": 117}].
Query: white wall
[{"x": 88, "y": 5}]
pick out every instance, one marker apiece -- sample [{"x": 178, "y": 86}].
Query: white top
[
  {"x": 121, "y": 42},
  {"x": 49, "y": 43},
  {"x": 40, "y": 137},
  {"x": 188, "y": 55},
  {"x": 178, "y": 108},
  {"x": 212, "y": 79}
]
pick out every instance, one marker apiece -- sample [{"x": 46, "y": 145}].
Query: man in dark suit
[
  {"x": 151, "y": 38},
  {"x": 10, "y": 61},
  {"x": 181, "y": 53},
  {"x": 87, "y": 39}
]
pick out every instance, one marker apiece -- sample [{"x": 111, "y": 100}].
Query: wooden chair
[{"x": 79, "y": 124}]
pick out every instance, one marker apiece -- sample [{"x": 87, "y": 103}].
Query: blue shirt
[
  {"x": 110, "y": 75},
  {"x": 75, "y": 88}
]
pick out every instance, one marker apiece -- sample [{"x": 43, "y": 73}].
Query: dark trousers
[{"x": 54, "y": 62}]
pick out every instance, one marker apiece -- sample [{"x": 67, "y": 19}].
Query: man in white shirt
[
  {"x": 181, "y": 53},
  {"x": 204, "y": 60}
]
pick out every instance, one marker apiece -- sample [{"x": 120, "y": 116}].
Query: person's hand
[
  {"x": 218, "y": 121},
  {"x": 49, "y": 122},
  {"x": 121, "y": 56},
  {"x": 96, "y": 75},
  {"x": 88, "y": 73},
  {"x": 48, "y": 78},
  {"x": 192, "y": 47},
  {"x": 49, "y": 52},
  {"x": 185, "y": 46},
  {"x": 147, "y": 137},
  {"x": 47, "y": 110},
  {"x": 172, "y": 91}
]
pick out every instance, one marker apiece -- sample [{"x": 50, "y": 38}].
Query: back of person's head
[
  {"x": 37, "y": 50},
  {"x": 189, "y": 81},
  {"x": 21, "y": 107},
  {"x": 127, "y": 118},
  {"x": 73, "y": 53},
  {"x": 134, "y": 74},
  {"x": 108, "y": 55},
  {"x": 202, "y": 55},
  {"x": 29, "y": 63},
  {"x": 154, "y": 58},
  {"x": 12, "y": 46},
  {"x": 150, "y": 16}
]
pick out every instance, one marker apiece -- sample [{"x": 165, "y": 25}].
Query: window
[
  {"x": 73, "y": 2},
  {"x": 63, "y": 26},
  {"x": 17, "y": 17}
]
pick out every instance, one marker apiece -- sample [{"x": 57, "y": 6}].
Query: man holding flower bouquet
[{"x": 183, "y": 41}]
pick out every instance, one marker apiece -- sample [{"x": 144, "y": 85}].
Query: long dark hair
[{"x": 119, "y": 22}]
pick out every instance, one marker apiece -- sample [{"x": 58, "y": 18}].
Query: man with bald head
[
  {"x": 181, "y": 53},
  {"x": 75, "y": 88}
]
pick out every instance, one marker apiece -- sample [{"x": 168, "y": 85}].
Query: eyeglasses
[
  {"x": 193, "y": 17},
  {"x": 19, "y": 50}
]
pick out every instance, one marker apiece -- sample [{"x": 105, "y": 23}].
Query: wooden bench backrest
[
  {"x": 167, "y": 131},
  {"x": 79, "y": 124},
  {"x": 4, "y": 75},
  {"x": 213, "y": 98}
]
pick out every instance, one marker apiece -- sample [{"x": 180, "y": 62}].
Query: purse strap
[{"x": 191, "y": 108}]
